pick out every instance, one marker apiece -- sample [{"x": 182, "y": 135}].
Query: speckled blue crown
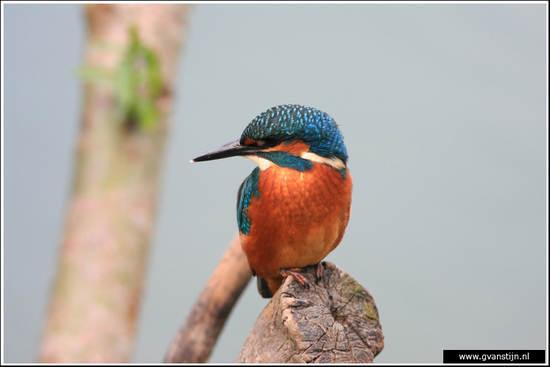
[{"x": 296, "y": 122}]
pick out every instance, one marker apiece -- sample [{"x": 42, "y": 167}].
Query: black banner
[{"x": 494, "y": 356}]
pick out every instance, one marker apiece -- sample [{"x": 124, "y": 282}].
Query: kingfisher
[{"x": 293, "y": 209}]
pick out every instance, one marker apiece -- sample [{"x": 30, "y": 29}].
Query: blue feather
[
  {"x": 286, "y": 160},
  {"x": 247, "y": 190}
]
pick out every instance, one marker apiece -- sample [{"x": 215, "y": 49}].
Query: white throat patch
[
  {"x": 334, "y": 162},
  {"x": 261, "y": 162}
]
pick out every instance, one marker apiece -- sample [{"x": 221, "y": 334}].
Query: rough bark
[
  {"x": 196, "y": 338},
  {"x": 332, "y": 321},
  {"x": 111, "y": 215}
]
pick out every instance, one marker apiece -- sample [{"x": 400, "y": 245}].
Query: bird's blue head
[
  {"x": 290, "y": 136},
  {"x": 288, "y": 123}
]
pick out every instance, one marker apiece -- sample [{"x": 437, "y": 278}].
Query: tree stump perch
[{"x": 334, "y": 320}]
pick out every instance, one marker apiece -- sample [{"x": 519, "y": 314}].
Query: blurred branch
[
  {"x": 102, "y": 263},
  {"x": 195, "y": 340},
  {"x": 334, "y": 320}
]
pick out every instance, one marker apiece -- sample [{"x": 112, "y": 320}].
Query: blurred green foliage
[{"x": 136, "y": 81}]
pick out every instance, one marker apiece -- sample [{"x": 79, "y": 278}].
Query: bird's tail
[{"x": 263, "y": 288}]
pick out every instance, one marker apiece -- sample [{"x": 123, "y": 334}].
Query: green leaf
[{"x": 137, "y": 81}]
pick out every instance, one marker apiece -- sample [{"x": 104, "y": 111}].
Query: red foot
[{"x": 295, "y": 273}]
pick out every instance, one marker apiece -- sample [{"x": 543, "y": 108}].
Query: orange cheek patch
[
  {"x": 295, "y": 148},
  {"x": 249, "y": 141}
]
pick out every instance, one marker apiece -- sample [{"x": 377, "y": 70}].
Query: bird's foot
[
  {"x": 319, "y": 271},
  {"x": 295, "y": 273}
]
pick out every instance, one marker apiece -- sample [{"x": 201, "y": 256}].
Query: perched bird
[{"x": 294, "y": 207}]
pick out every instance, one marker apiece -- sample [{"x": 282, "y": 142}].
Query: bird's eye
[{"x": 271, "y": 142}]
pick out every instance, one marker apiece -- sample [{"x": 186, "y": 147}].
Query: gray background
[{"x": 443, "y": 108}]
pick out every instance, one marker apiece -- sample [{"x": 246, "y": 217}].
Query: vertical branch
[{"x": 102, "y": 262}]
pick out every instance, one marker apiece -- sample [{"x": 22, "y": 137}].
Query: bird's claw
[
  {"x": 319, "y": 271},
  {"x": 295, "y": 273}
]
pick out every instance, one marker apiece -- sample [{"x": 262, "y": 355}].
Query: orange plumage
[{"x": 297, "y": 220}]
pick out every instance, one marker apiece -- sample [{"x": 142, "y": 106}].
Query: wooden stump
[{"x": 334, "y": 320}]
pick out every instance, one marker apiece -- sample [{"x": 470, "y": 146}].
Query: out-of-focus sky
[{"x": 444, "y": 112}]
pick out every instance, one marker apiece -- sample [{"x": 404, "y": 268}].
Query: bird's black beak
[{"x": 230, "y": 149}]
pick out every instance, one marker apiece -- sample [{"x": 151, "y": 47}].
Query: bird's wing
[{"x": 247, "y": 190}]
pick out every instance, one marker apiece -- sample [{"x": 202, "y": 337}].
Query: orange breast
[{"x": 297, "y": 219}]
